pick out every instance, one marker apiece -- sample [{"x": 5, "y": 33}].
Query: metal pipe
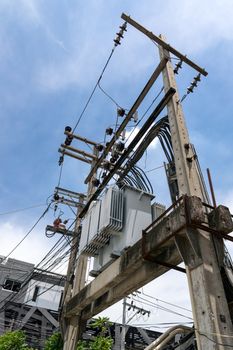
[
  {"x": 211, "y": 188},
  {"x": 165, "y": 337}
]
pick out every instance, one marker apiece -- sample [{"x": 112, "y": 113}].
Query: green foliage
[
  {"x": 54, "y": 342},
  {"x": 13, "y": 341},
  {"x": 101, "y": 341}
]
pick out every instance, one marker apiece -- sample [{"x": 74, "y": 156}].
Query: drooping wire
[
  {"x": 94, "y": 89},
  {"x": 159, "y": 128},
  {"x": 126, "y": 178},
  {"x": 110, "y": 97}
]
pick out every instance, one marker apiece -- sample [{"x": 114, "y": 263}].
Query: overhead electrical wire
[
  {"x": 141, "y": 180},
  {"x": 94, "y": 89},
  {"x": 28, "y": 276},
  {"x": 166, "y": 302},
  {"x": 108, "y": 95},
  {"x": 57, "y": 257},
  {"x": 27, "y": 234},
  {"x": 28, "y": 273},
  {"x": 149, "y": 303},
  {"x": 22, "y": 209},
  {"x": 159, "y": 129},
  {"x": 138, "y": 179},
  {"x": 153, "y": 169}
]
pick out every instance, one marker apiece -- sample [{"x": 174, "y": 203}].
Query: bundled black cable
[{"x": 131, "y": 172}]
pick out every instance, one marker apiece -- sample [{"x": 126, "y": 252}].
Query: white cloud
[
  {"x": 190, "y": 26},
  {"x": 193, "y": 27},
  {"x": 32, "y": 249},
  {"x": 130, "y": 135},
  {"x": 225, "y": 197}
]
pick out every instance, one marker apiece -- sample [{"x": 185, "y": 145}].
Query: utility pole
[
  {"x": 74, "y": 326},
  {"x": 72, "y": 263},
  {"x": 196, "y": 247},
  {"x": 138, "y": 310},
  {"x": 123, "y": 331}
]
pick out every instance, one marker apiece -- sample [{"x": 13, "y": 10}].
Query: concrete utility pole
[
  {"x": 74, "y": 326},
  {"x": 197, "y": 248},
  {"x": 70, "y": 276},
  {"x": 138, "y": 310},
  {"x": 123, "y": 331}
]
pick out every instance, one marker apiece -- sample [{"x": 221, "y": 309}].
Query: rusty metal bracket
[{"x": 192, "y": 220}]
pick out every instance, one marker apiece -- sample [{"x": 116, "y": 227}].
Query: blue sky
[{"x": 51, "y": 55}]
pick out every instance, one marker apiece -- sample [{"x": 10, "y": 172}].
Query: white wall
[{"x": 48, "y": 296}]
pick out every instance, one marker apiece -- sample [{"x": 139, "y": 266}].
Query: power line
[
  {"x": 153, "y": 169},
  {"x": 109, "y": 96},
  {"x": 31, "y": 229},
  {"x": 94, "y": 89},
  {"x": 149, "y": 303},
  {"x": 166, "y": 302},
  {"x": 19, "y": 210},
  {"x": 28, "y": 278},
  {"x": 29, "y": 275}
]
